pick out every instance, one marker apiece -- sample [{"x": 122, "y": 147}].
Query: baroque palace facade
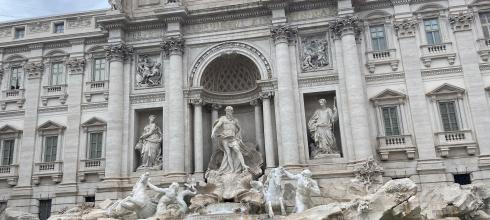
[{"x": 405, "y": 82}]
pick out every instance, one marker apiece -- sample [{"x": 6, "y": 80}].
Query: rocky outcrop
[{"x": 11, "y": 214}]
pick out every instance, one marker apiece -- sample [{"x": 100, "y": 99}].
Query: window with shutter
[
  {"x": 8, "y": 152},
  {"x": 449, "y": 115},
  {"x": 50, "y": 148},
  {"x": 95, "y": 148},
  {"x": 378, "y": 37},
  {"x": 485, "y": 24},
  {"x": 432, "y": 31},
  {"x": 390, "y": 119}
]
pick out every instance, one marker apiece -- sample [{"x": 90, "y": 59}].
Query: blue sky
[{"x": 22, "y": 9}]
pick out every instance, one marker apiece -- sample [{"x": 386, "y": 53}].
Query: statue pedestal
[
  {"x": 327, "y": 156},
  {"x": 229, "y": 186}
]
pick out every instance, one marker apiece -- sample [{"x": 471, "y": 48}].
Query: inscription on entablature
[
  {"x": 228, "y": 25},
  {"x": 143, "y": 3},
  {"x": 144, "y": 35},
  {"x": 314, "y": 13},
  {"x": 79, "y": 22}
]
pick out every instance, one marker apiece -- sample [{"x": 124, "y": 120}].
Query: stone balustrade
[
  {"x": 53, "y": 170},
  {"x": 54, "y": 92},
  {"x": 398, "y": 143},
  {"x": 484, "y": 49},
  {"x": 438, "y": 51},
  {"x": 96, "y": 87},
  {"x": 91, "y": 166},
  {"x": 384, "y": 57},
  {"x": 447, "y": 140}
]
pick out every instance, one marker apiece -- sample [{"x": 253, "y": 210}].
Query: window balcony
[
  {"x": 438, "y": 51},
  {"x": 10, "y": 173},
  {"x": 12, "y": 96},
  {"x": 54, "y": 92},
  {"x": 398, "y": 143},
  {"x": 385, "y": 57},
  {"x": 95, "y": 88},
  {"x": 445, "y": 141},
  {"x": 484, "y": 49},
  {"x": 53, "y": 170},
  {"x": 92, "y": 166}
]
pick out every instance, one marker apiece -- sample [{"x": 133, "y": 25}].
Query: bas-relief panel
[
  {"x": 5, "y": 32},
  {"x": 39, "y": 27},
  {"x": 310, "y": 14},
  {"x": 227, "y": 25},
  {"x": 144, "y": 35},
  {"x": 143, "y": 3}
]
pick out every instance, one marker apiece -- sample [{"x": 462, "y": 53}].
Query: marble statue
[
  {"x": 149, "y": 144},
  {"x": 116, "y": 5},
  {"x": 306, "y": 187},
  {"x": 172, "y": 202},
  {"x": 321, "y": 126},
  {"x": 315, "y": 54},
  {"x": 226, "y": 132},
  {"x": 139, "y": 201},
  {"x": 273, "y": 191},
  {"x": 148, "y": 73}
]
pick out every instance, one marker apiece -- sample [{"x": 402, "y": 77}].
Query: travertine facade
[{"x": 409, "y": 80}]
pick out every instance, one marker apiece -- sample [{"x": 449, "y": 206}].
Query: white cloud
[{"x": 22, "y": 9}]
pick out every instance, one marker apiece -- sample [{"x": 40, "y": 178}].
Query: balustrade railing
[
  {"x": 13, "y": 94},
  {"x": 49, "y": 167},
  {"x": 399, "y": 141},
  {"x": 437, "y": 49},
  {"x": 454, "y": 137}
]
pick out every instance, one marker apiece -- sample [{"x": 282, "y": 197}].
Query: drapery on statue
[
  {"x": 321, "y": 129},
  {"x": 227, "y": 135},
  {"x": 149, "y": 143}
]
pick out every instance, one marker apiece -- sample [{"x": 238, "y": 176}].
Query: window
[
  {"x": 3, "y": 206},
  {"x": 462, "y": 179},
  {"x": 8, "y": 152},
  {"x": 390, "y": 119},
  {"x": 59, "y": 28},
  {"x": 51, "y": 145},
  {"x": 432, "y": 31},
  {"x": 378, "y": 37},
  {"x": 20, "y": 32},
  {"x": 89, "y": 198},
  {"x": 448, "y": 115},
  {"x": 44, "y": 209},
  {"x": 57, "y": 73},
  {"x": 99, "y": 70},
  {"x": 95, "y": 147},
  {"x": 16, "y": 77},
  {"x": 485, "y": 24}
]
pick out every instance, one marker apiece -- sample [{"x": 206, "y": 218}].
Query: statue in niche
[
  {"x": 116, "y": 5},
  {"x": 226, "y": 133},
  {"x": 149, "y": 144},
  {"x": 148, "y": 73},
  {"x": 315, "y": 54},
  {"x": 321, "y": 126},
  {"x": 306, "y": 187}
]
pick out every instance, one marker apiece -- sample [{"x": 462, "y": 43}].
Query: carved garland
[
  {"x": 461, "y": 21},
  {"x": 406, "y": 28},
  {"x": 219, "y": 47},
  {"x": 76, "y": 65},
  {"x": 34, "y": 69}
]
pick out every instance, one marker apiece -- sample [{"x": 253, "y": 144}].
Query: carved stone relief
[
  {"x": 314, "y": 54},
  {"x": 79, "y": 22},
  {"x": 148, "y": 72},
  {"x": 5, "y": 32},
  {"x": 39, "y": 27},
  {"x": 144, "y": 35}
]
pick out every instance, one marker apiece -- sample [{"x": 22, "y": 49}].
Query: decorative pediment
[
  {"x": 50, "y": 125},
  {"x": 94, "y": 122},
  {"x": 7, "y": 129},
  {"x": 388, "y": 94},
  {"x": 446, "y": 89}
]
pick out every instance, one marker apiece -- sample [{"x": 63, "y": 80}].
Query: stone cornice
[
  {"x": 53, "y": 18},
  {"x": 175, "y": 14},
  {"x": 51, "y": 39},
  {"x": 116, "y": 21}
]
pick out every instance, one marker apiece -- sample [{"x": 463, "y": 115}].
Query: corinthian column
[
  {"x": 270, "y": 159},
  {"x": 289, "y": 150},
  {"x": 115, "y": 54},
  {"x": 259, "y": 135},
  {"x": 174, "y": 48},
  {"x": 346, "y": 28}
]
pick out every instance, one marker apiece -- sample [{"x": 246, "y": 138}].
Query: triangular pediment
[
  {"x": 446, "y": 89},
  {"x": 388, "y": 94},
  {"x": 50, "y": 125},
  {"x": 8, "y": 129},
  {"x": 94, "y": 122}
]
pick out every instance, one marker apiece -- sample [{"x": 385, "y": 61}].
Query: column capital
[
  {"x": 195, "y": 102},
  {"x": 283, "y": 33},
  {"x": 266, "y": 95},
  {"x": 216, "y": 107},
  {"x": 173, "y": 45},
  {"x": 346, "y": 25},
  {"x": 255, "y": 102},
  {"x": 119, "y": 51},
  {"x": 406, "y": 27},
  {"x": 76, "y": 65},
  {"x": 34, "y": 69},
  {"x": 461, "y": 21}
]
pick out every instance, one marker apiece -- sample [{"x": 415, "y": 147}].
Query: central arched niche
[{"x": 230, "y": 73}]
